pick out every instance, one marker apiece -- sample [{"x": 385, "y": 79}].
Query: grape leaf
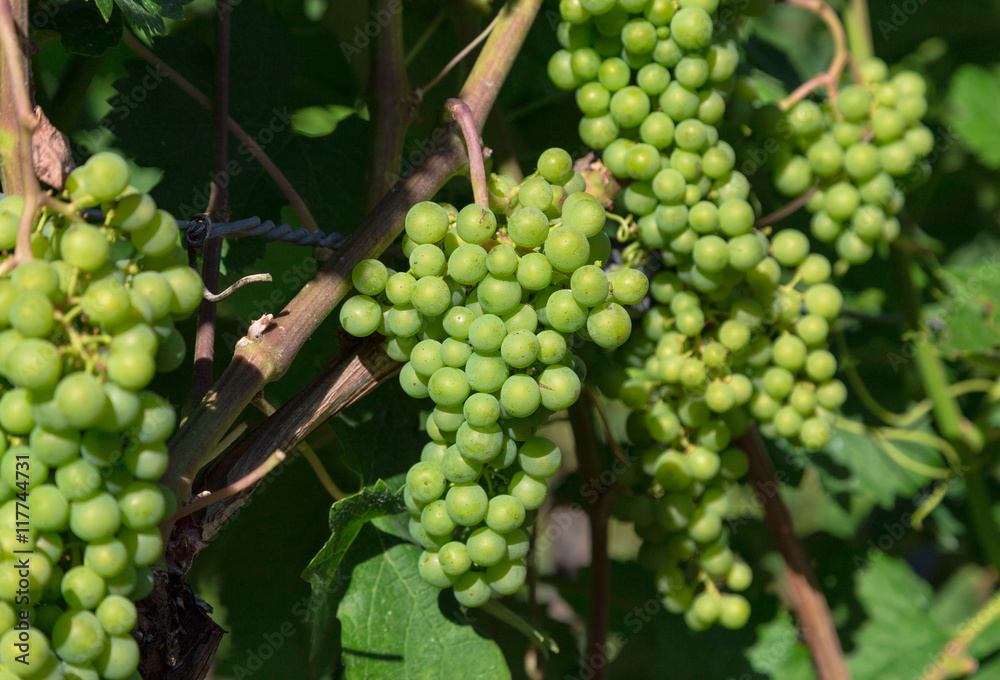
[
  {"x": 871, "y": 472},
  {"x": 82, "y": 28},
  {"x": 974, "y": 116},
  {"x": 106, "y": 7},
  {"x": 393, "y": 628},
  {"x": 778, "y": 651},
  {"x": 967, "y": 318},
  {"x": 324, "y": 573},
  {"x": 900, "y": 638}
]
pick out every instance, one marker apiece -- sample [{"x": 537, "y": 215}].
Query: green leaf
[
  {"x": 974, "y": 115},
  {"x": 84, "y": 29},
  {"x": 393, "y": 628},
  {"x": 778, "y": 652},
  {"x": 147, "y": 16},
  {"x": 106, "y": 7},
  {"x": 900, "y": 638},
  {"x": 967, "y": 319},
  {"x": 871, "y": 472},
  {"x": 814, "y": 509},
  {"x": 347, "y": 517}
]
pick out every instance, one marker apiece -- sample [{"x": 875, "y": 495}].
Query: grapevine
[{"x": 605, "y": 327}]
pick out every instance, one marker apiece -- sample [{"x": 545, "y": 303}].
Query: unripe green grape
[
  {"x": 106, "y": 557},
  {"x": 142, "y": 505},
  {"x": 734, "y": 612},
  {"x": 585, "y": 61},
  {"x": 426, "y": 357},
  {"x": 107, "y": 302},
  {"x": 529, "y": 490},
  {"x": 790, "y": 247},
  {"x": 117, "y": 615},
  {"x": 787, "y": 422},
  {"x": 705, "y": 527},
  {"x": 471, "y": 589},
  {"x": 486, "y": 547},
  {"x": 404, "y": 321},
  {"x": 560, "y": 70},
  {"x": 158, "y": 237},
  {"x": 691, "y": 28},
  {"x": 642, "y": 162},
  {"x": 564, "y": 313},
  {"x": 560, "y": 387},
  {"x": 82, "y": 588},
  {"x": 476, "y": 224},
  {"x": 425, "y": 482},
  {"x": 49, "y": 508},
  {"x": 360, "y": 316},
  {"x": 690, "y": 321},
  {"x": 455, "y": 353},
  {"x": 119, "y": 659},
  {"x": 369, "y": 277},
  {"x": 522, "y": 317},
  {"x": 825, "y": 300},
  {"x": 435, "y": 519},
  {"x": 131, "y": 368},
  {"x": 431, "y": 296},
  {"x": 805, "y": 118},
  {"x": 598, "y": 131},
  {"x": 32, "y": 314},
  {"x": 552, "y": 347},
  {"x": 26, "y": 650},
  {"x": 479, "y": 443},
  {"x": 481, "y": 409},
  {"x": 499, "y": 294},
  {"x": 794, "y": 176},
  {"x": 37, "y": 275},
  {"x": 466, "y": 503},
  {"x": 821, "y": 365},
  {"x": 486, "y": 371},
  {"x": 609, "y": 326},
  {"x": 426, "y": 222},
  {"x": 520, "y": 349},
  {"x": 33, "y": 364},
  {"x": 487, "y": 333},
  {"x": 457, "y": 468},
  {"x": 21, "y": 469},
  {"x": 426, "y": 260},
  {"x": 85, "y": 247},
  {"x": 507, "y": 577},
  {"x": 187, "y": 289},
  {"x": 429, "y": 568}
]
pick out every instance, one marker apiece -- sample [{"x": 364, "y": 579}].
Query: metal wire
[{"x": 202, "y": 229}]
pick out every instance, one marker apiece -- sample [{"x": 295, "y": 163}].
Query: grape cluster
[
  {"x": 486, "y": 318},
  {"x": 737, "y": 326},
  {"x": 858, "y": 152},
  {"x": 86, "y": 325}
]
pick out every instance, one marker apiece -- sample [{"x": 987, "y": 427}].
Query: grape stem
[
  {"x": 246, "y": 280},
  {"x": 786, "y": 210},
  {"x": 15, "y": 81},
  {"x": 477, "y": 169},
  {"x": 804, "y": 593},
  {"x": 830, "y": 78},
  {"x": 954, "y": 659},
  {"x": 218, "y": 208},
  {"x": 857, "y": 21},
  {"x": 278, "y": 177},
  {"x": 421, "y": 91}
]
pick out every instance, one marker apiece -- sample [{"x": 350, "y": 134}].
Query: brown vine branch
[
  {"x": 218, "y": 207},
  {"x": 589, "y": 460},
  {"x": 303, "y": 447},
  {"x": 806, "y": 597},
  {"x": 477, "y": 169},
  {"x": 831, "y": 77},
  {"x": 19, "y": 175},
  {"x": 278, "y": 177},
  {"x": 261, "y": 362},
  {"x": 392, "y": 107},
  {"x": 356, "y": 370}
]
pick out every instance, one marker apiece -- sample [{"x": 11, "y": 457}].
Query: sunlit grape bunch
[
  {"x": 486, "y": 318},
  {"x": 736, "y": 330},
  {"x": 856, "y": 155},
  {"x": 87, "y": 323}
]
